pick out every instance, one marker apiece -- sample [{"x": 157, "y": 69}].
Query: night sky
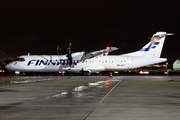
[{"x": 39, "y": 27}]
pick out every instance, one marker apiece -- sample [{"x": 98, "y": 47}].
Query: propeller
[
  {"x": 69, "y": 55},
  {"x": 58, "y": 50}
]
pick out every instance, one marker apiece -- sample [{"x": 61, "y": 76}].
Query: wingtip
[{"x": 170, "y": 34}]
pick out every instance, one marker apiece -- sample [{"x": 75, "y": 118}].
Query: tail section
[{"x": 154, "y": 48}]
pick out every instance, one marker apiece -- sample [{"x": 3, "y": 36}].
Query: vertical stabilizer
[{"x": 153, "y": 48}]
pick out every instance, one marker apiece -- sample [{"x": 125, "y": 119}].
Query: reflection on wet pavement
[
  {"x": 23, "y": 80},
  {"x": 78, "y": 98},
  {"x": 65, "y": 94},
  {"x": 81, "y": 93}
]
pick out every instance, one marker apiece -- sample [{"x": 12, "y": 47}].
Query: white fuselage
[{"x": 52, "y": 63}]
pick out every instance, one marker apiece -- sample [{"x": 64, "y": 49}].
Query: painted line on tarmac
[{"x": 103, "y": 98}]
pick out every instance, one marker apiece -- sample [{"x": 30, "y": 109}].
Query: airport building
[
  {"x": 176, "y": 65},
  {"x": 2, "y": 67}
]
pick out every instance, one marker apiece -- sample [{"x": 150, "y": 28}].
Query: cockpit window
[{"x": 19, "y": 59}]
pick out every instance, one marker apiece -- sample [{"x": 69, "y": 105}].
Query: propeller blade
[
  {"x": 58, "y": 50},
  {"x": 70, "y": 59}
]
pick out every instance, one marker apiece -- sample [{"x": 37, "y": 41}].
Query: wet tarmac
[{"x": 90, "y": 98}]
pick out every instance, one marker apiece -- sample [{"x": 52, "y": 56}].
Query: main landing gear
[{"x": 85, "y": 73}]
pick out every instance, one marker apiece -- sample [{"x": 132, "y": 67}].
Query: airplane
[
  {"x": 149, "y": 54},
  {"x": 53, "y": 63}
]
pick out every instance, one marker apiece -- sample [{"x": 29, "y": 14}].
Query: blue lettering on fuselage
[
  {"x": 37, "y": 62},
  {"x": 30, "y": 62},
  {"x": 52, "y": 62},
  {"x": 43, "y": 62}
]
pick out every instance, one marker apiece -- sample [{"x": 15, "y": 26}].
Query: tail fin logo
[
  {"x": 157, "y": 38},
  {"x": 151, "y": 46},
  {"x": 154, "y": 42}
]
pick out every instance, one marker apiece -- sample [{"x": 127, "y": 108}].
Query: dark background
[{"x": 39, "y": 27}]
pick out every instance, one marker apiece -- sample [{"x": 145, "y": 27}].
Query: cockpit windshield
[{"x": 19, "y": 59}]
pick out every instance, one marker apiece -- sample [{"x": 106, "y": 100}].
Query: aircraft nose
[{"x": 8, "y": 66}]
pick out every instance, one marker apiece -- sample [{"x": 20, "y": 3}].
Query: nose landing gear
[{"x": 17, "y": 73}]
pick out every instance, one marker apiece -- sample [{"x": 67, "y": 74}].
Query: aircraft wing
[{"x": 88, "y": 55}]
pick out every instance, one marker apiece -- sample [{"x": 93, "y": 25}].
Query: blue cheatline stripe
[{"x": 150, "y": 46}]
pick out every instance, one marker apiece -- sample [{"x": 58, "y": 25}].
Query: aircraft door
[{"x": 129, "y": 60}]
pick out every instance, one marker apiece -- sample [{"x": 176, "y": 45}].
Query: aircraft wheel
[
  {"x": 88, "y": 73},
  {"x": 81, "y": 74},
  {"x": 17, "y": 73}
]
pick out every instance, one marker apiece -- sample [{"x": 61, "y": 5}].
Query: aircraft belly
[
  {"x": 74, "y": 70},
  {"x": 116, "y": 69},
  {"x": 40, "y": 69},
  {"x": 140, "y": 62},
  {"x": 97, "y": 69},
  {"x": 51, "y": 68},
  {"x": 77, "y": 68}
]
